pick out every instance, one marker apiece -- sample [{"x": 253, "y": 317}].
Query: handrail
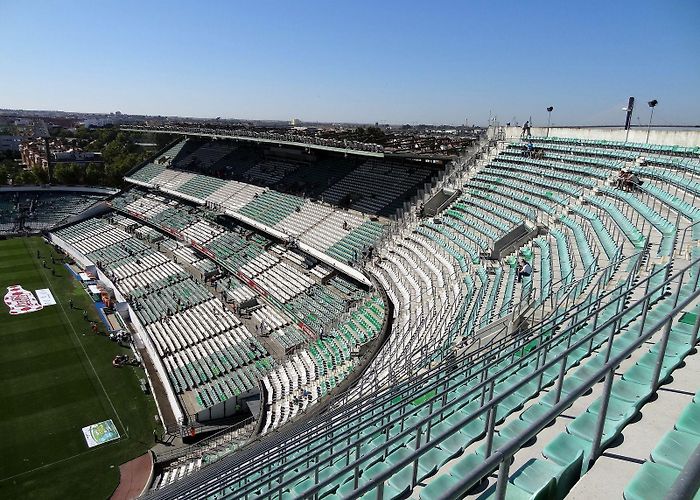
[
  {"x": 574, "y": 285},
  {"x": 685, "y": 231},
  {"x": 471, "y": 354},
  {"x": 193, "y": 448},
  {"x": 562, "y": 314},
  {"x": 589, "y": 277},
  {"x": 482, "y": 386},
  {"x": 503, "y": 454},
  {"x": 687, "y": 483},
  {"x": 614, "y": 263}
]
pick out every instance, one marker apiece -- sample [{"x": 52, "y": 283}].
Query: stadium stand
[
  {"x": 452, "y": 374},
  {"x": 374, "y": 186},
  {"x": 337, "y": 180},
  {"x": 209, "y": 354},
  {"x": 478, "y": 363},
  {"x": 29, "y": 211},
  {"x": 310, "y": 222}
]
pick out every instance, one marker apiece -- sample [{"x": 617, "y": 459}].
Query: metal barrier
[
  {"x": 501, "y": 457},
  {"x": 498, "y": 346},
  {"x": 339, "y": 451},
  {"x": 687, "y": 483},
  {"x": 221, "y": 437},
  {"x": 547, "y": 322}
]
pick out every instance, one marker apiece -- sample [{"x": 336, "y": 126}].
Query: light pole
[
  {"x": 549, "y": 118},
  {"x": 652, "y": 104}
]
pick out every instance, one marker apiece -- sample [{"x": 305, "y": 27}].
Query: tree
[
  {"x": 67, "y": 173},
  {"x": 10, "y": 172},
  {"x": 94, "y": 174},
  {"x": 120, "y": 153},
  {"x": 24, "y": 177},
  {"x": 41, "y": 175}
]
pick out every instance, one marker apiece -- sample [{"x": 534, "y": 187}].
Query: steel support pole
[
  {"x": 502, "y": 482},
  {"x": 490, "y": 429},
  {"x": 660, "y": 357},
  {"x": 602, "y": 411}
]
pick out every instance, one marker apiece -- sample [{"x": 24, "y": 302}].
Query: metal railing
[
  {"x": 685, "y": 231},
  {"x": 560, "y": 306},
  {"x": 687, "y": 483},
  {"x": 221, "y": 437},
  {"x": 540, "y": 355},
  {"x": 568, "y": 294},
  {"x": 500, "y": 458}
]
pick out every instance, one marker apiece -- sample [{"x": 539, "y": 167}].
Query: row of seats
[
  {"x": 375, "y": 185},
  {"x": 31, "y": 211},
  {"x": 240, "y": 251},
  {"x": 293, "y": 298},
  {"x": 644, "y": 147},
  {"x": 318, "y": 225},
  {"x": 443, "y": 290},
  {"x": 204, "y": 348},
  {"x": 581, "y": 237},
  {"x": 381, "y": 428},
  {"x": 656, "y": 475},
  {"x": 309, "y": 375}
]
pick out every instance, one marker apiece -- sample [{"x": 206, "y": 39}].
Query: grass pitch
[{"x": 57, "y": 377}]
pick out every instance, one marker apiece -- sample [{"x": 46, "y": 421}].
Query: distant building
[
  {"x": 96, "y": 122},
  {"x": 34, "y": 153},
  {"x": 73, "y": 155},
  {"x": 32, "y": 128},
  {"x": 103, "y": 121},
  {"x": 10, "y": 142}
]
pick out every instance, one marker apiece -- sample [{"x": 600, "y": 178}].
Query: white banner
[{"x": 45, "y": 297}]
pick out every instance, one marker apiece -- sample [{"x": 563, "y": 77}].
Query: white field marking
[
  {"x": 59, "y": 461},
  {"x": 43, "y": 271}
]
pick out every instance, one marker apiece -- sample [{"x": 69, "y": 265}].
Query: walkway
[{"x": 134, "y": 477}]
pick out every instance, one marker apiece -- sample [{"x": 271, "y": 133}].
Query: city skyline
[{"x": 360, "y": 63}]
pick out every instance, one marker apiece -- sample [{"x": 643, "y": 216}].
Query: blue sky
[{"x": 388, "y": 61}]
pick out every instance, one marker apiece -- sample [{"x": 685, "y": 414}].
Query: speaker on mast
[{"x": 629, "y": 109}]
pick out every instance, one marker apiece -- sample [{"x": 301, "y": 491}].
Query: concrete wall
[{"x": 668, "y": 137}]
